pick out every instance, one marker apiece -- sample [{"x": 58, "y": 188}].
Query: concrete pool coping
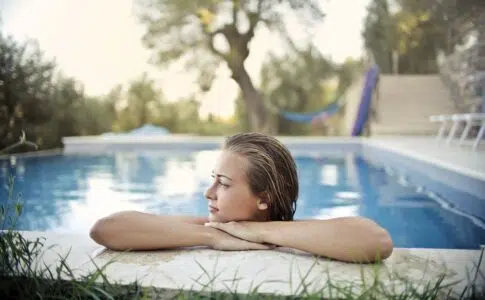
[
  {"x": 276, "y": 271},
  {"x": 451, "y": 157},
  {"x": 176, "y": 269}
]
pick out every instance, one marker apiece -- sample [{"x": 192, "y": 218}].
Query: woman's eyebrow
[{"x": 221, "y": 175}]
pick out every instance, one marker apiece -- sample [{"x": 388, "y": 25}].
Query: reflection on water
[
  {"x": 329, "y": 175},
  {"x": 70, "y": 192},
  {"x": 337, "y": 212}
]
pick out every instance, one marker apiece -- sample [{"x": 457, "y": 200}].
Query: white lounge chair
[
  {"x": 443, "y": 119},
  {"x": 470, "y": 120}
]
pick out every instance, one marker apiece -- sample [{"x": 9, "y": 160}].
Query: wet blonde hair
[{"x": 272, "y": 171}]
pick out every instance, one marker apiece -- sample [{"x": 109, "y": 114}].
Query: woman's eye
[
  {"x": 224, "y": 185},
  {"x": 220, "y": 182}
]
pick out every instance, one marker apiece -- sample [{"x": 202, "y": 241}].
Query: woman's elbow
[
  {"x": 383, "y": 245},
  {"x": 103, "y": 233},
  {"x": 382, "y": 241},
  {"x": 386, "y": 246}
]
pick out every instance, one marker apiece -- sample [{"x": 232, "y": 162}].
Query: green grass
[
  {"x": 22, "y": 276},
  {"x": 379, "y": 284}
]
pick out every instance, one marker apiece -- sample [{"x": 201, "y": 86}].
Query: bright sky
[{"x": 98, "y": 42}]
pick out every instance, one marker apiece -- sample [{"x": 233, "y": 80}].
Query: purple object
[{"x": 365, "y": 103}]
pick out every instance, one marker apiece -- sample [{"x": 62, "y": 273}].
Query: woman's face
[{"x": 230, "y": 197}]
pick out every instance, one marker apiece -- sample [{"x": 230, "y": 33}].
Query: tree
[
  {"x": 181, "y": 116},
  {"x": 65, "y": 105},
  {"x": 95, "y": 116},
  {"x": 378, "y": 34},
  {"x": 418, "y": 41},
  {"x": 456, "y": 17},
  {"x": 25, "y": 89},
  {"x": 142, "y": 102},
  {"x": 346, "y": 73},
  {"x": 41, "y": 101},
  {"x": 113, "y": 99},
  {"x": 296, "y": 82},
  {"x": 425, "y": 28},
  {"x": 206, "y": 33},
  {"x": 141, "y": 94},
  {"x": 419, "y": 30}
]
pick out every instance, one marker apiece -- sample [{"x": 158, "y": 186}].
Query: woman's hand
[
  {"x": 351, "y": 239},
  {"x": 223, "y": 241},
  {"x": 241, "y": 230}
]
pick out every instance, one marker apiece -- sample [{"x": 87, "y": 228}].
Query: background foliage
[{"x": 35, "y": 97}]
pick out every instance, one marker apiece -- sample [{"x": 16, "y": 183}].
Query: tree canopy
[
  {"x": 26, "y": 85},
  {"x": 206, "y": 33},
  {"x": 417, "y": 30}
]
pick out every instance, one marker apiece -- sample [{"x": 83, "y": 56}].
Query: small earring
[{"x": 263, "y": 205}]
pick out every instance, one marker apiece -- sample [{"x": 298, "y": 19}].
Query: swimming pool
[{"x": 68, "y": 192}]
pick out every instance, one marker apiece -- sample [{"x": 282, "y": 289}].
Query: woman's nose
[{"x": 209, "y": 193}]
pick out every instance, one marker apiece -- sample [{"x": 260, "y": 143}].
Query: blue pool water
[{"x": 69, "y": 192}]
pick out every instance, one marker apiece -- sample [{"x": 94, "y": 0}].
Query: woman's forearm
[
  {"x": 139, "y": 231},
  {"x": 352, "y": 239}
]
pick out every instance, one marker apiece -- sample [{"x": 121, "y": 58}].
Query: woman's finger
[
  {"x": 257, "y": 246},
  {"x": 220, "y": 226},
  {"x": 213, "y": 224}
]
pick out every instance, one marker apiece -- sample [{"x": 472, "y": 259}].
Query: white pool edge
[
  {"x": 427, "y": 159},
  {"x": 175, "y": 269}
]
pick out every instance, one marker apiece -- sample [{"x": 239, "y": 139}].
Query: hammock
[
  {"x": 310, "y": 117},
  {"x": 371, "y": 78}
]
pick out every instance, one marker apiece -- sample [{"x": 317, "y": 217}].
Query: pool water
[{"x": 70, "y": 192}]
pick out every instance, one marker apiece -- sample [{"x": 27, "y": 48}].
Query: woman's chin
[{"x": 215, "y": 218}]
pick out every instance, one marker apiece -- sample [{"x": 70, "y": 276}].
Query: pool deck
[
  {"x": 280, "y": 271},
  {"x": 452, "y": 157}
]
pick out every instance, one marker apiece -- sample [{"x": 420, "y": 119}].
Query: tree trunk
[{"x": 257, "y": 113}]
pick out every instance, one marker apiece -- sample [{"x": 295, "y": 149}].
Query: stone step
[
  {"x": 385, "y": 103},
  {"x": 404, "y": 129},
  {"x": 400, "y": 118},
  {"x": 407, "y": 101},
  {"x": 414, "y": 111},
  {"x": 413, "y": 88},
  {"x": 416, "y": 96}
]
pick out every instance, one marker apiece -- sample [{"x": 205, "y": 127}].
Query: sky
[{"x": 99, "y": 43}]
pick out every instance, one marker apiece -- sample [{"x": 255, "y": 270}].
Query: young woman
[{"x": 251, "y": 204}]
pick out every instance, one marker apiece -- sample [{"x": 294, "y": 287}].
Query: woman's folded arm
[{"x": 141, "y": 231}]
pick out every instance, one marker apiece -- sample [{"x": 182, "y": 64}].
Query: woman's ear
[{"x": 263, "y": 201}]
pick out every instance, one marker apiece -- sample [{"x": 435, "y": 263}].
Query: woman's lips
[{"x": 212, "y": 209}]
